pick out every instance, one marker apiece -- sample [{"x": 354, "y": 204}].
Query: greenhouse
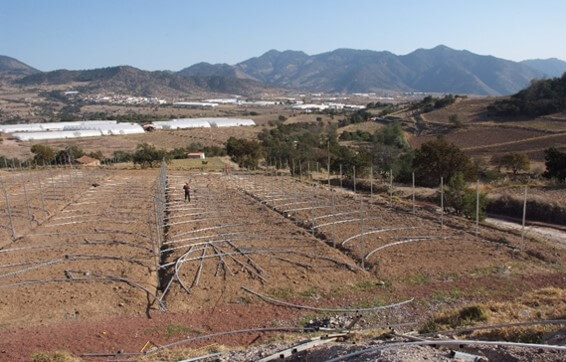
[
  {"x": 54, "y": 126},
  {"x": 121, "y": 128},
  {"x": 182, "y": 123},
  {"x": 47, "y": 135},
  {"x": 230, "y": 122}
]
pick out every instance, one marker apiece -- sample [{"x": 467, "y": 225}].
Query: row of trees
[{"x": 145, "y": 155}]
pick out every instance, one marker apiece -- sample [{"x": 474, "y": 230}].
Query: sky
[{"x": 173, "y": 34}]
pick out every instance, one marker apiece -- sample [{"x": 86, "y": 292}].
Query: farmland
[{"x": 108, "y": 259}]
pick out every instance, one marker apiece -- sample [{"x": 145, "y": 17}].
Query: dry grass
[
  {"x": 57, "y": 356},
  {"x": 541, "y": 304},
  {"x": 179, "y": 354}
]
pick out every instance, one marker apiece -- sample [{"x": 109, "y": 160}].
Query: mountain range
[{"x": 440, "y": 69}]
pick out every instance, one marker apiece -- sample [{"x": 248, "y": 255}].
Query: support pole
[
  {"x": 371, "y": 182},
  {"x": 333, "y": 225},
  {"x": 41, "y": 197},
  {"x": 477, "y": 208},
  {"x": 362, "y": 240},
  {"x": 354, "y": 178},
  {"x": 390, "y": 188},
  {"x": 8, "y": 208},
  {"x": 24, "y": 184},
  {"x": 441, "y": 202},
  {"x": 340, "y": 175},
  {"x": 414, "y": 209},
  {"x": 328, "y": 164},
  {"x": 524, "y": 218}
]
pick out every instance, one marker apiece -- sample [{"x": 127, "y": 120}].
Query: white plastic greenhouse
[
  {"x": 30, "y": 127},
  {"x": 121, "y": 128},
  {"x": 53, "y": 126},
  {"x": 181, "y": 123},
  {"x": 202, "y": 123},
  {"x": 230, "y": 122},
  {"x": 46, "y": 135}
]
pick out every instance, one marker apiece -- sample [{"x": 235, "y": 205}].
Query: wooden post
[{"x": 340, "y": 175}]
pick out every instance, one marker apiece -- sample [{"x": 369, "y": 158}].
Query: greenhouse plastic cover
[
  {"x": 203, "y": 123},
  {"x": 230, "y": 122},
  {"x": 46, "y": 135},
  {"x": 181, "y": 123},
  {"x": 53, "y": 126},
  {"x": 109, "y": 128}
]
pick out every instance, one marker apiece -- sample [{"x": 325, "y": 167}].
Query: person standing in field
[{"x": 187, "y": 189}]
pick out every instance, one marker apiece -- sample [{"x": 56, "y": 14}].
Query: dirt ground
[{"x": 90, "y": 276}]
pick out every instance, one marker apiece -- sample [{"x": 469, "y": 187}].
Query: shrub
[{"x": 42, "y": 154}]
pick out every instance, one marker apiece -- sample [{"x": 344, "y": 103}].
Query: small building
[
  {"x": 196, "y": 155},
  {"x": 88, "y": 161}
]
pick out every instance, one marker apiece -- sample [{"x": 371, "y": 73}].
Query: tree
[
  {"x": 515, "y": 161},
  {"x": 69, "y": 154},
  {"x": 462, "y": 199},
  {"x": 42, "y": 154},
  {"x": 555, "y": 162},
  {"x": 246, "y": 153},
  {"x": 147, "y": 155},
  {"x": 439, "y": 158}
]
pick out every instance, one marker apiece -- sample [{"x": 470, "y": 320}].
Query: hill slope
[
  {"x": 552, "y": 67},
  {"x": 440, "y": 69},
  {"x": 130, "y": 80},
  {"x": 10, "y": 65}
]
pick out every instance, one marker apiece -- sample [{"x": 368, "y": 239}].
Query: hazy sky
[{"x": 80, "y": 34}]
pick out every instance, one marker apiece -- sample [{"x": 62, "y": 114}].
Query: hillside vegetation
[{"x": 542, "y": 97}]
